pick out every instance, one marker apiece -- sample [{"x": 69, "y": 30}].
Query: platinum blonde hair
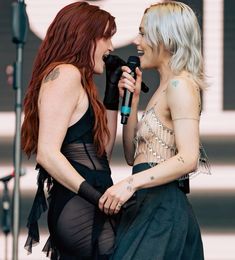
[{"x": 175, "y": 25}]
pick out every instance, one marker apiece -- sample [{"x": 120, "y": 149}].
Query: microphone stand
[
  {"x": 6, "y": 219},
  {"x": 20, "y": 29},
  {"x": 6, "y": 206}
]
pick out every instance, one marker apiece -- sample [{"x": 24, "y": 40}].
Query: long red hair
[{"x": 71, "y": 39}]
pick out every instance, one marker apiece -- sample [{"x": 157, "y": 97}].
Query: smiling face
[
  {"x": 103, "y": 48},
  {"x": 150, "y": 56}
]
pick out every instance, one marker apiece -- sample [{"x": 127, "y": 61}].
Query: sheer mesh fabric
[
  {"x": 85, "y": 154},
  {"x": 154, "y": 140},
  {"x": 78, "y": 229},
  {"x": 82, "y": 229},
  {"x": 157, "y": 143},
  {"x": 75, "y": 233}
]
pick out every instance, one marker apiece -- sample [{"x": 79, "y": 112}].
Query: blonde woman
[{"x": 161, "y": 223}]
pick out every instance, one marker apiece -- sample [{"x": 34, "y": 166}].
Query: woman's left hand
[{"x": 115, "y": 196}]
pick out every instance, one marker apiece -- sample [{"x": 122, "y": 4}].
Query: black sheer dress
[{"x": 78, "y": 229}]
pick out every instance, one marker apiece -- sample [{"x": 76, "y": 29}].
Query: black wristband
[{"x": 89, "y": 193}]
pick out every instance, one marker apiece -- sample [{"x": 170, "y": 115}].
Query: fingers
[
  {"x": 115, "y": 207},
  {"x": 138, "y": 72},
  {"x": 109, "y": 205},
  {"x": 138, "y": 76},
  {"x": 102, "y": 200},
  {"x": 128, "y": 82},
  {"x": 125, "y": 83},
  {"x": 126, "y": 69}
]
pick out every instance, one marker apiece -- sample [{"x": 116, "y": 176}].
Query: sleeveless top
[
  {"x": 77, "y": 146},
  {"x": 154, "y": 139},
  {"x": 157, "y": 142}
]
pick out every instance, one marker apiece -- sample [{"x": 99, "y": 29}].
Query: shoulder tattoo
[
  {"x": 54, "y": 74},
  {"x": 174, "y": 83}
]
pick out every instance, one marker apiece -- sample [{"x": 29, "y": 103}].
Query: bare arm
[
  {"x": 129, "y": 130},
  {"x": 128, "y": 134},
  {"x": 184, "y": 106},
  {"x": 112, "y": 125},
  {"x": 59, "y": 97},
  {"x": 183, "y": 101}
]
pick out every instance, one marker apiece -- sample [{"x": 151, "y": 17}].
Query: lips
[
  {"x": 140, "y": 52},
  {"x": 105, "y": 56}
]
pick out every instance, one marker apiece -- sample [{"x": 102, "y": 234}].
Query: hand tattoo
[{"x": 54, "y": 74}]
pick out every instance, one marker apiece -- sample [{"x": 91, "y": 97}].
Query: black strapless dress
[{"x": 78, "y": 229}]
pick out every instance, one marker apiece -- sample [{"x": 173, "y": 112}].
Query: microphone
[{"x": 133, "y": 62}]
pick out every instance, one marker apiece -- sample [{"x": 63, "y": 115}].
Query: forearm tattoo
[
  {"x": 54, "y": 74},
  {"x": 180, "y": 159},
  {"x": 152, "y": 178},
  {"x": 129, "y": 186}
]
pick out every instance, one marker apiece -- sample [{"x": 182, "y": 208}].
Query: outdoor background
[{"x": 212, "y": 197}]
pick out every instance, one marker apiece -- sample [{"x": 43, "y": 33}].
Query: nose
[{"x": 136, "y": 41}]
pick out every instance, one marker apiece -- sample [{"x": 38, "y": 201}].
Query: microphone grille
[{"x": 134, "y": 61}]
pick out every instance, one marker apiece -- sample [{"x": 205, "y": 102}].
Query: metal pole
[
  {"x": 20, "y": 28},
  {"x": 17, "y": 152}
]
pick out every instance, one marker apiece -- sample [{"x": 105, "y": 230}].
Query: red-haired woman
[{"x": 71, "y": 133}]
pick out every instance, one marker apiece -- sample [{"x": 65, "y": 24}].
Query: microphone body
[{"x": 133, "y": 62}]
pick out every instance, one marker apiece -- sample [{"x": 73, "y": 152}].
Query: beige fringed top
[
  {"x": 154, "y": 139},
  {"x": 157, "y": 143}
]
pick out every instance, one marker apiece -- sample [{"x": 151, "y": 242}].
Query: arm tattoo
[
  {"x": 129, "y": 186},
  {"x": 54, "y": 74},
  {"x": 152, "y": 178},
  {"x": 180, "y": 159},
  {"x": 174, "y": 83}
]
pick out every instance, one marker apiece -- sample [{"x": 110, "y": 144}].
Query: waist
[
  {"x": 85, "y": 154},
  {"x": 182, "y": 185},
  {"x": 153, "y": 151},
  {"x": 139, "y": 167}
]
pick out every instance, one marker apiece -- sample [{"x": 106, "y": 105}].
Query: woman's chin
[
  {"x": 142, "y": 62},
  {"x": 98, "y": 70},
  {"x": 145, "y": 65}
]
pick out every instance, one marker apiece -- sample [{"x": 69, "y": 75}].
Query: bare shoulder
[
  {"x": 182, "y": 83},
  {"x": 182, "y": 89},
  {"x": 63, "y": 73},
  {"x": 62, "y": 83},
  {"x": 183, "y": 97}
]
